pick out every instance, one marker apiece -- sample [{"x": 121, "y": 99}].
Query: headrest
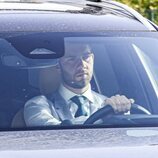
[{"x": 49, "y": 80}]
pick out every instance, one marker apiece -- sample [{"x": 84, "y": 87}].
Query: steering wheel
[{"x": 107, "y": 110}]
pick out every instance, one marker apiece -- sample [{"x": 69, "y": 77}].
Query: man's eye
[{"x": 86, "y": 56}]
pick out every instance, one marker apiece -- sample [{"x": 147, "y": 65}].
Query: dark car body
[{"x": 28, "y": 27}]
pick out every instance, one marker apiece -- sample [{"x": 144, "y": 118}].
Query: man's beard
[
  {"x": 76, "y": 84},
  {"x": 79, "y": 85}
]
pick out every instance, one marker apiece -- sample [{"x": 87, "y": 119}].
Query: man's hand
[{"x": 119, "y": 103}]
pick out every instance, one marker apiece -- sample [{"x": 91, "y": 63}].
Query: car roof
[{"x": 70, "y": 16}]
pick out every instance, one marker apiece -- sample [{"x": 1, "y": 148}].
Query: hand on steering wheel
[
  {"x": 119, "y": 103},
  {"x": 108, "y": 110}
]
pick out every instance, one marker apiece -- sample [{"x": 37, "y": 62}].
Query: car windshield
[{"x": 39, "y": 73}]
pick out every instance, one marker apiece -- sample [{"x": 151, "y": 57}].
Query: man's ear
[{"x": 93, "y": 56}]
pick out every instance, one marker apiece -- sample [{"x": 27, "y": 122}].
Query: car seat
[{"x": 49, "y": 81}]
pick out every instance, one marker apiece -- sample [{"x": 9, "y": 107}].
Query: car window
[{"x": 39, "y": 71}]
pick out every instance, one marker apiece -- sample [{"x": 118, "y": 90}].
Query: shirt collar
[{"x": 67, "y": 94}]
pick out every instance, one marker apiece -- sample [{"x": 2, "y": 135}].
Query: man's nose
[{"x": 80, "y": 61}]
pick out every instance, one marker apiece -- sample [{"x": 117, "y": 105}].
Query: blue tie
[{"x": 79, "y": 101}]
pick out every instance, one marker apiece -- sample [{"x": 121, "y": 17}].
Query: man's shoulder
[
  {"x": 37, "y": 100},
  {"x": 41, "y": 99},
  {"x": 98, "y": 97}
]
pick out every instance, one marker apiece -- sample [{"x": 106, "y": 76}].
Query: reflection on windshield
[
  {"x": 147, "y": 63},
  {"x": 87, "y": 74}
]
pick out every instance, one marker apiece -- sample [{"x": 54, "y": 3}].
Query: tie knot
[{"x": 79, "y": 100}]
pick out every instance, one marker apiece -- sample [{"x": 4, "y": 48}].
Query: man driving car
[{"x": 74, "y": 100}]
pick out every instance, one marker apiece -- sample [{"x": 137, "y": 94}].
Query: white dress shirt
[{"x": 67, "y": 95}]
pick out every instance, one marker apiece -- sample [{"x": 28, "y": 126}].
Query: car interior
[{"x": 116, "y": 71}]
